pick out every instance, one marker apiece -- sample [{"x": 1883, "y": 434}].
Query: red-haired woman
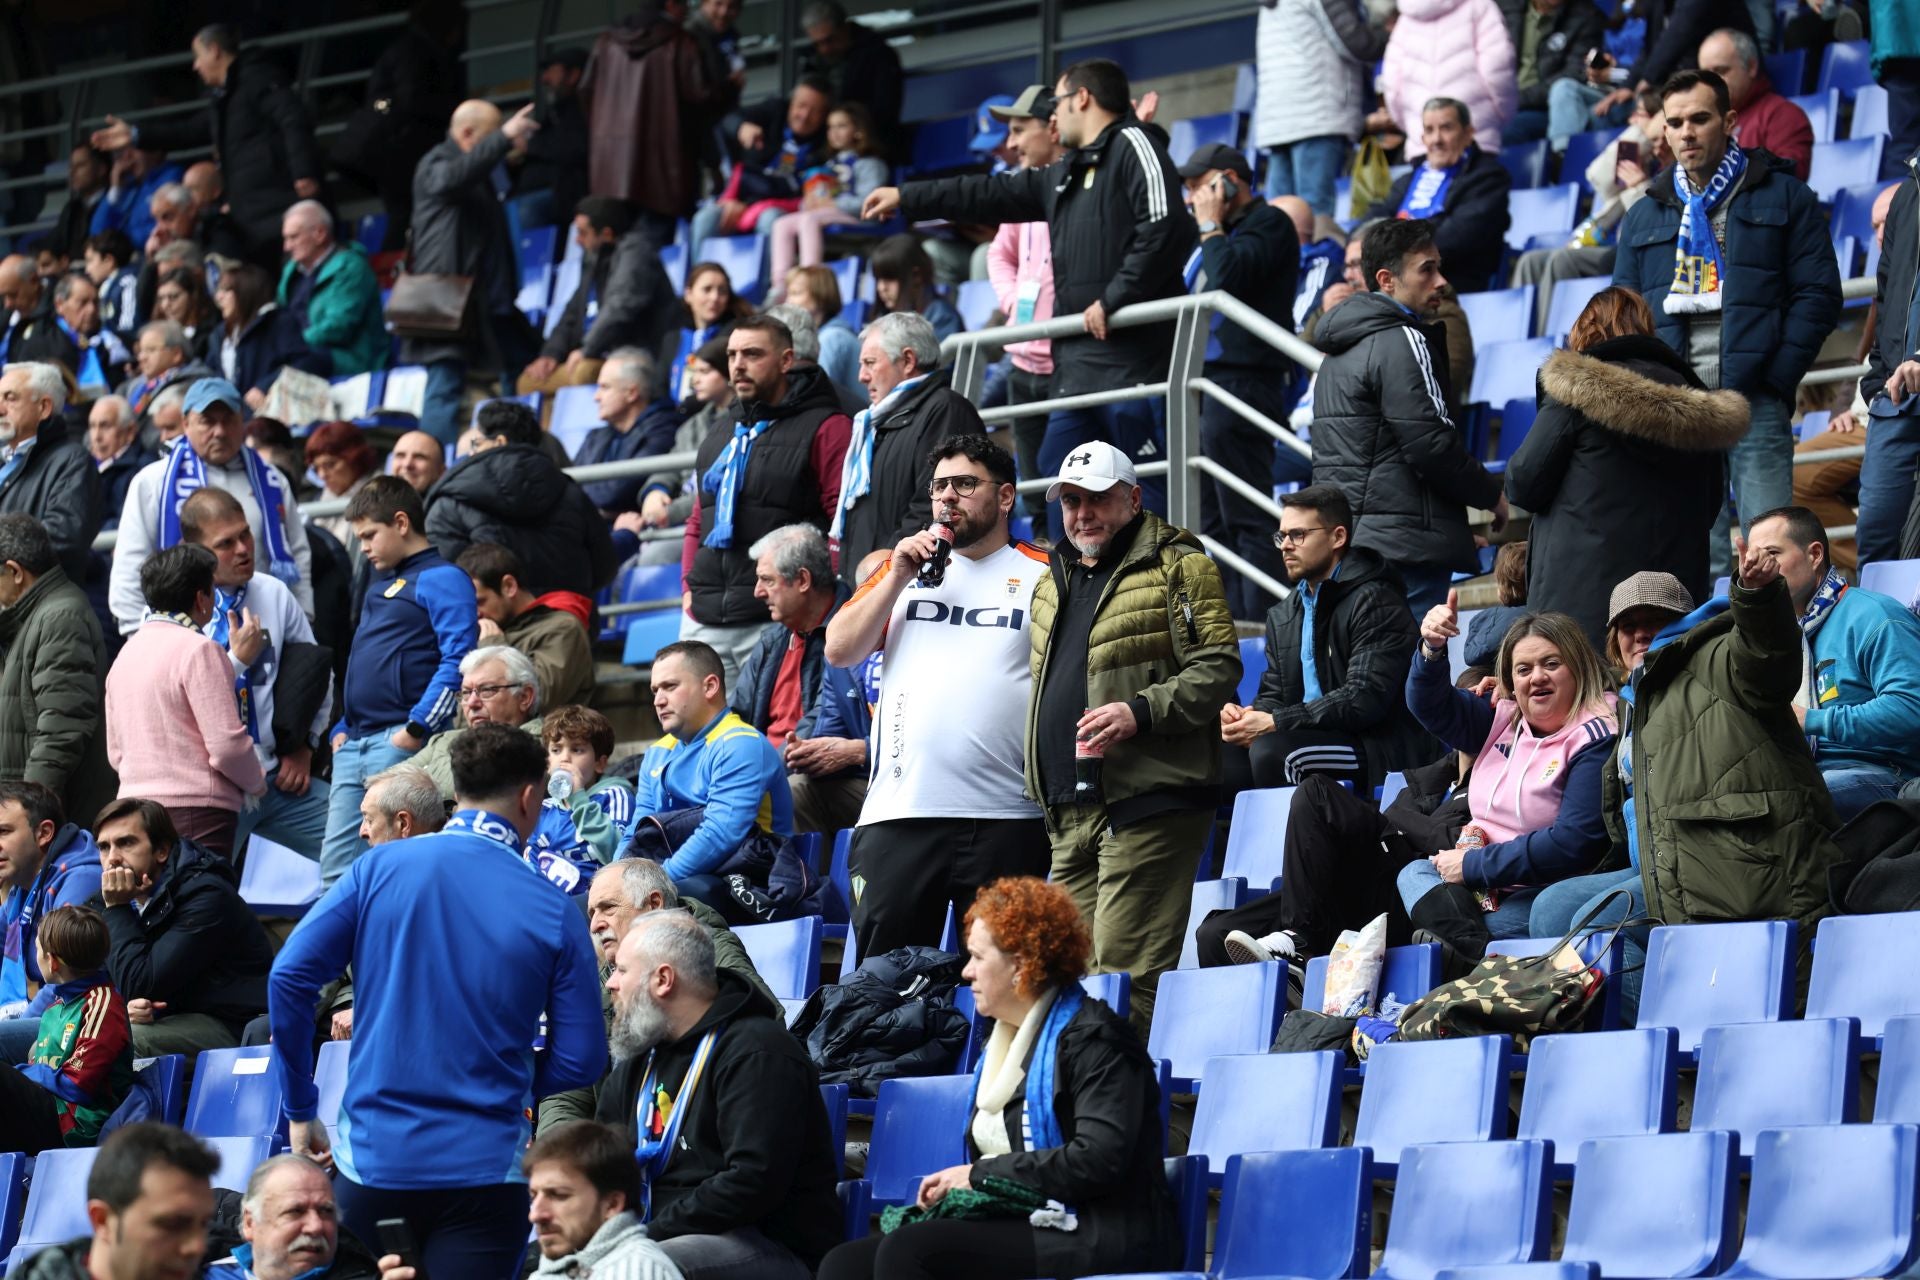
[
  {"x": 1066, "y": 1109},
  {"x": 343, "y": 460}
]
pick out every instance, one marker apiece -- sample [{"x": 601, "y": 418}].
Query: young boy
[
  {"x": 81, "y": 1067},
  {"x": 403, "y": 673},
  {"x": 108, "y": 258},
  {"x": 580, "y": 741}
]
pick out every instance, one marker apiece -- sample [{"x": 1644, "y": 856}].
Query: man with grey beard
[
  {"x": 621, "y": 893},
  {"x": 740, "y": 1166}
]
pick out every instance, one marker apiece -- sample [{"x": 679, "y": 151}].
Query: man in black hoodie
[
  {"x": 188, "y": 953},
  {"x": 740, "y": 1168}
]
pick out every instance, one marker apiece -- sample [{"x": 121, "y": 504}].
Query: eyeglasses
[
  {"x": 962, "y": 485},
  {"x": 485, "y": 691},
  {"x": 1287, "y": 537}
]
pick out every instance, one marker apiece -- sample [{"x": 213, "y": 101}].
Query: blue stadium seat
[
  {"x": 1823, "y": 112},
  {"x": 1853, "y": 212},
  {"x": 647, "y": 633},
  {"x": 919, "y": 1127},
  {"x": 1845, "y": 65},
  {"x": 1516, "y": 420},
  {"x": 1676, "y": 1189},
  {"x": 13, "y": 1196},
  {"x": 1788, "y": 71},
  {"x": 1433, "y": 1091},
  {"x": 1538, "y": 210},
  {"x": 371, "y": 232},
  {"x": 1499, "y": 315},
  {"x": 1844, "y": 164},
  {"x": 1897, "y": 578},
  {"x": 1187, "y": 1181},
  {"x": 1582, "y": 150},
  {"x": 1522, "y": 1271},
  {"x": 786, "y": 954},
  {"x": 1525, "y": 162},
  {"x": 1115, "y": 990},
  {"x": 1599, "y": 949},
  {"x": 1257, "y": 841},
  {"x": 834, "y": 1098},
  {"x": 1770, "y": 1075},
  {"x": 1832, "y": 1201},
  {"x": 846, "y": 272},
  {"x": 1598, "y": 1084},
  {"x": 236, "y": 1094},
  {"x": 836, "y": 897},
  {"x": 1570, "y": 298},
  {"x": 1704, "y": 975},
  {"x": 744, "y": 259},
  {"x": 1509, "y": 1221},
  {"x": 1295, "y": 1213},
  {"x": 536, "y": 246},
  {"x": 56, "y": 1209},
  {"x": 1266, "y": 1102},
  {"x": 1409, "y": 973},
  {"x": 566, "y": 278},
  {"x": 1253, "y": 665},
  {"x": 1504, "y": 371},
  {"x": 1208, "y": 895},
  {"x": 673, "y": 260},
  {"x": 276, "y": 881},
  {"x": 976, "y": 303},
  {"x": 330, "y": 1079},
  {"x": 574, "y": 416},
  {"x": 168, "y": 1076},
  {"x": 1187, "y": 136},
  {"x": 1390, "y": 789},
  {"x": 1865, "y": 966},
  {"x": 1897, "y": 1097},
  {"x": 1246, "y": 88},
  {"x": 238, "y": 1157},
  {"x": 1202, "y": 1014},
  {"x": 1869, "y": 112}
]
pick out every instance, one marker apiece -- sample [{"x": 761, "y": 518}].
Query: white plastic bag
[{"x": 1353, "y": 970}]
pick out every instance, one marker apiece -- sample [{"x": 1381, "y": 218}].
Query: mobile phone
[
  {"x": 1628, "y": 152},
  {"x": 1227, "y": 188},
  {"x": 1598, "y": 58},
  {"x": 396, "y": 1237}
]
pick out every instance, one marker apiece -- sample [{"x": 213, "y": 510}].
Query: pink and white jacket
[
  {"x": 1450, "y": 49},
  {"x": 1022, "y": 252},
  {"x": 1519, "y": 778}
]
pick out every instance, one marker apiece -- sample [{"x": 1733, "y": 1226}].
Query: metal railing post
[
  {"x": 1183, "y": 416},
  {"x": 970, "y": 373}
]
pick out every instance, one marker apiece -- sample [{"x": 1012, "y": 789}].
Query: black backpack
[{"x": 1881, "y": 871}]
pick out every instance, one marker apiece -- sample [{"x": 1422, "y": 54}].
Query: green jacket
[
  {"x": 52, "y": 729},
  {"x": 343, "y": 313},
  {"x": 1163, "y": 637},
  {"x": 1734, "y": 820}
]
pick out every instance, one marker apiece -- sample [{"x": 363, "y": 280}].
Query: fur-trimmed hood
[{"x": 1639, "y": 388}]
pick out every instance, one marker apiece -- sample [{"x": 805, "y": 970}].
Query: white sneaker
[{"x": 1243, "y": 948}]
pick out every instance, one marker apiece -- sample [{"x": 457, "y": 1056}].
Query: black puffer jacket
[
  {"x": 59, "y": 486},
  {"x": 198, "y": 946},
  {"x": 1382, "y": 435},
  {"x": 754, "y": 1149},
  {"x": 897, "y": 504},
  {"x": 1624, "y": 470},
  {"x": 1363, "y": 639},
  {"x": 894, "y": 1016},
  {"x": 515, "y": 496}
]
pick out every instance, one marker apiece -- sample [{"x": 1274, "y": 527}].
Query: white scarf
[{"x": 1003, "y": 1073}]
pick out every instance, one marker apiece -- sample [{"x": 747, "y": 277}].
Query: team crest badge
[{"x": 399, "y": 585}]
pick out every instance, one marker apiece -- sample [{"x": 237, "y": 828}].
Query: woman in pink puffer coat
[{"x": 1450, "y": 49}]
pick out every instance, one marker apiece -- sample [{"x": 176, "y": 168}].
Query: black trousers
[
  {"x": 1285, "y": 757},
  {"x": 906, "y": 872},
  {"x": 1248, "y": 452},
  {"x": 29, "y": 1115},
  {"x": 939, "y": 1250},
  {"x": 1342, "y": 857},
  {"x": 476, "y": 1233}
]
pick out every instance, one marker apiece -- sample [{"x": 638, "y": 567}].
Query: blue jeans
[
  {"x": 1138, "y": 428},
  {"x": 440, "y": 410},
  {"x": 16, "y": 1039},
  {"x": 1307, "y": 168},
  {"x": 298, "y": 822},
  {"x": 1558, "y": 905},
  {"x": 1761, "y": 467},
  {"x": 1855, "y": 786},
  {"x": 1509, "y": 920},
  {"x": 1886, "y": 486},
  {"x": 1570, "y": 106},
  {"x": 1426, "y": 586},
  {"x": 357, "y": 760}
]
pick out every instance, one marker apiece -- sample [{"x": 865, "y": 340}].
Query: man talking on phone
[{"x": 1249, "y": 249}]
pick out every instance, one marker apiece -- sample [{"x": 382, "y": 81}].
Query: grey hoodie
[{"x": 619, "y": 1250}]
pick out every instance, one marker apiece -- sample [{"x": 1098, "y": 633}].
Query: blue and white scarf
[
  {"x": 856, "y": 473},
  {"x": 1038, "y": 1120},
  {"x": 1427, "y": 190},
  {"x": 723, "y": 481},
  {"x": 1697, "y": 265},
  {"x": 227, "y": 602},
  {"x": 1825, "y": 596},
  {"x": 186, "y": 475},
  {"x": 16, "y": 461},
  {"x": 491, "y": 825}
]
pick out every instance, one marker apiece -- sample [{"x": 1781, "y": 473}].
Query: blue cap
[
  {"x": 211, "y": 391},
  {"x": 989, "y": 130}
]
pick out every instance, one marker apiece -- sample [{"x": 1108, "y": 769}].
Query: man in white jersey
[{"x": 946, "y": 809}]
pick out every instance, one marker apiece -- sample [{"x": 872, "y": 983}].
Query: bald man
[
  {"x": 459, "y": 228},
  {"x": 331, "y": 292},
  {"x": 418, "y": 459},
  {"x": 1321, "y": 257}
]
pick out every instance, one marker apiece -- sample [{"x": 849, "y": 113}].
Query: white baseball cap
[{"x": 1096, "y": 466}]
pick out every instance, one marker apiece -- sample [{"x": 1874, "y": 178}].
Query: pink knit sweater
[{"x": 173, "y": 725}]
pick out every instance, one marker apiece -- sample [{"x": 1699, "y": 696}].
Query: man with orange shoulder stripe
[{"x": 946, "y": 810}]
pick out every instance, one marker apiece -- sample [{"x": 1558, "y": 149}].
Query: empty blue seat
[
  {"x": 846, "y": 273},
  {"x": 1266, "y": 1102},
  {"x": 1295, "y": 1213},
  {"x": 1499, "y": 315},
  {"x": 1504, "y": 371},
  {"x": 330, "y": 1081},
  {"x": 1516, "y": 420},
  {"x": 276, "y": 881},
  {"x": 1409, "y": 973},
  {"x": 1600, "y": 949},
  {"x": 1598, "y": 1084},
  {"x": 238, "y": 1158},
  {"x": 1390, "y": 789},
  {"x": 1769, "y": 1075},
  {"x": 1705, "y": 975},
  {"x": 1582, "y": 150},
  {"x": 1844, "y": 164},
  {"x": 744, "y": 260},
  {"x": 1432, "y": 1227},
  {"x": 1836, "y": 1200},
  {"x": 1188, "y": 136},
  {"x": 1897, "y": 1096},
  {"x": 371, "y": 232},
  {"x": 1788, "y": 71},
  {"x": 1845, "y": 65},
  {"x": 787, "y": 954},
  {"x": 1659, "y": 1205},
  {"x": 836, "y": 896},
  {"x": 13, "y": 1196},
  {"x": 574, "y": 415},
  {"x": 1433, "y": 1091},
  {"x": 1868, "y": 967},
  {"x": 1536, "y": 211},
  {"x": 1853, "y": 212},
  {"x": 1570, "y": 298},
  {"x": 673, "y": 261},
  {"x": 1869, "y": 111},
  {"x": 1208, "y": 895},
  {"x": 1897, "y": 578},
  {"x": 168, "y": 1076},
  {"x": 1201, "y": 1014},
  {"x": 1525, "y": 162},
  {"x": 919, "y": 1127},
  {"x": 1115, "y": 990},
  {"x": 1258, "y": 839},
  {"x": 1253, "y": 665},
  {"x": 976, "y": 304},
  {"x": 236, "y": 1094},
  {"x": 834, "y": 1098},
  {"x": 1823, "y": 112},
  {"x": 648, "y": 633},
  {"x": 56, "y": 1208}
]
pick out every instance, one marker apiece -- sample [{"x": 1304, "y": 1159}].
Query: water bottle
[
  {"x": 933, "y": 571},
  {"x": 559, "y": 786}
]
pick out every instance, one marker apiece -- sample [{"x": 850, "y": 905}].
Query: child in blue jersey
[
  {"x": 580, "y": 741},
  {"x": 403, "y": 674}
]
